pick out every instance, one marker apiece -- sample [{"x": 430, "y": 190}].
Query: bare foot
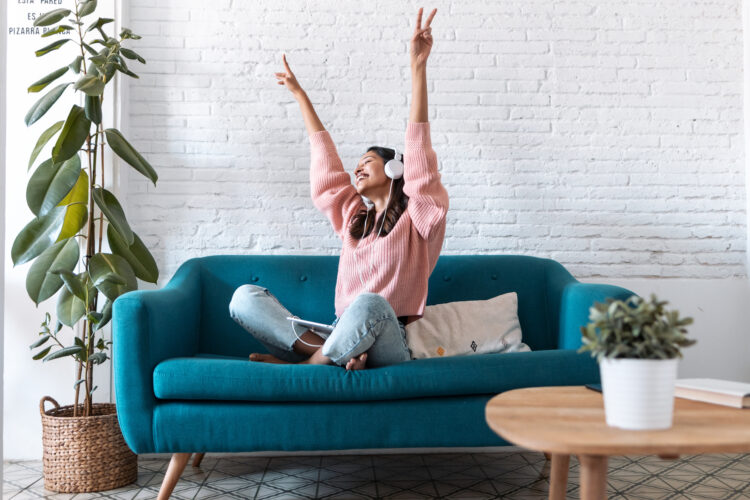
[
  {"x": 357, "y": 363},
  {"x": 267, "y": 358}
]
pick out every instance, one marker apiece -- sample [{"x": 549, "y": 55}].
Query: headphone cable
[{"x": 354, "y": 253}]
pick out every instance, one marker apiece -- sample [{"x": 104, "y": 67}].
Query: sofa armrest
[
  {"x": 149, "y": 326},
  {"x": 577, "y": 298}
]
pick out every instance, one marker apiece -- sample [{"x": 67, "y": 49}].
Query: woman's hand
[
  {"x": 421, "y": 40},
  {"x": 289, "y": 79},
  {"x": 312, "y": 122}
]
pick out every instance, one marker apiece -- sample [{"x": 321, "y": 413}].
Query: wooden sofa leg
[
  {"x": 176, "y": 466},
  {"x": 197, "y": 459}
]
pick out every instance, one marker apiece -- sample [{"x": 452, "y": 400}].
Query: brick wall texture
[{"x": 604, "y": 135}]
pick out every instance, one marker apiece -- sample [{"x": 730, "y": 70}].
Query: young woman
[{"x": 389, "y": 248}]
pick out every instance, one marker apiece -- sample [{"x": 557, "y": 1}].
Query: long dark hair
[{"x": 395, "y": 208}]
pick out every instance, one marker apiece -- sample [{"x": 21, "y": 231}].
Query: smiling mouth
[{"x": 362, "y": 178}]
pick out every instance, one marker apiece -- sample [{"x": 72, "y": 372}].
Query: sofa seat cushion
[{"x": 225, "y": 378}]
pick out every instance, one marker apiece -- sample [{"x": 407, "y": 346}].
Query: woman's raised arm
[
  {"x": 312, "y": 122},
  {"x": 421, "y": 44},
  {"x": 428, "y": 198},
  {"x": 331, "y": 187}
]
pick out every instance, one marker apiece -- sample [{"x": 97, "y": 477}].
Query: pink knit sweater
[{"x": 404, "y": 258}]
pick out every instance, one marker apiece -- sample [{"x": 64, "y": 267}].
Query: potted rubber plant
[
  {"x": 637, "y": 344},
  {"x": 84, "y": 449}
]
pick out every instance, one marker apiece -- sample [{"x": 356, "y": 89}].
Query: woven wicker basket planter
[{"x": 85, "y": 454}]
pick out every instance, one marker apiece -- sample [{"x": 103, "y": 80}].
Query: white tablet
[{"x": 311, "y": 324}]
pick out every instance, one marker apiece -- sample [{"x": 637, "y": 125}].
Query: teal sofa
[{"x": 183, "y": 382}]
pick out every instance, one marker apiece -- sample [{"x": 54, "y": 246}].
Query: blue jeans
[{"x": 369, "y": 324}]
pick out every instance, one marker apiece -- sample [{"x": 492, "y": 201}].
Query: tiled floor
[{"x": 516, "y": 474}]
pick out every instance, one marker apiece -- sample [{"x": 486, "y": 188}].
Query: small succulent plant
[{"x": 634, "y": 328}]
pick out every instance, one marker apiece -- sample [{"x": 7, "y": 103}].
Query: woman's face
[{"x": 369, "y": 175}]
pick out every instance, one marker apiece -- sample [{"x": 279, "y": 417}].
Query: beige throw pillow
[{"x": 467, "y": 327}]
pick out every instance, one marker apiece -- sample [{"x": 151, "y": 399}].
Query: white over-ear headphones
[{"x": 394, "y": 168}]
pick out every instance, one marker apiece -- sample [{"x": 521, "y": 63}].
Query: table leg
[
  {"x": 593, "y": 477},
  {"x": 558, "y": 483}
]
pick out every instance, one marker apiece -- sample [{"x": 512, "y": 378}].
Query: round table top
[{"x": 570, "y": 420}]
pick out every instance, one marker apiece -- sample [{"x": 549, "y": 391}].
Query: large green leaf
[
  {"x": 125, "y": 70},
  {"x": 51, "y": 17},
  {"x": 98, "y": 60},
  {"x": 123, "y": 67},
  {"x": 50, "y": 183},
  {"x": 42, "y": 284},
  {"x": 106, "y": 315},
  {"x": 98, "y": 358},
  {"x": 91, "y": 50},
  {"x": 66, "y": 351},
  {"x": 41, "y": 341},
  {"x": 87, "y": 7},
  {"x": 109, "y": 71},
  {"x": 128, "y": 153},
  {"x": 70, "y": 308},
  {"x": 44, "y": 103},
  {"x": 90, "y": 85},
  {"x": 108, "y": 270},
  {"x": 110, "y": 207},
  {"x": 43, "y": 82},
  {"x": 94, "y": 317},
  {"x": 43, "y": 140},
  {"x": 53, "y": 46},
  {"x": 137, "y": 255},
  {"x": 37, "y": 236},
  {"x": 59, "y": 29},
  {"x": 99, "y": 23},
  {"x": 126, "y": 33},
  {"x": 93, "y": 109},
  {"x": 131, "y": 55},
  {"x": 73, "y": 135},
  {"x": 75, "y": 66},
  {"x": 77, "y": 213},
  {"x": 72, "y": 282},
  {"x": 42, "y": 353},
  {"x": 83, "y": 355}
]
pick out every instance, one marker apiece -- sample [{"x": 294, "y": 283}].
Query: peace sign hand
[
  {"x": 288, "y": 79},
  {"x": 421, "y": 40}
]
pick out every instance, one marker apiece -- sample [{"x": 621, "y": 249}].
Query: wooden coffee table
[{"x": 570, "y": 420}]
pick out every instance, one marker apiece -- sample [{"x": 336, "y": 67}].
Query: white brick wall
[{"x": 605, "y": 135}]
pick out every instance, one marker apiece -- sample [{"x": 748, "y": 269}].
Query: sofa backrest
[{"x": 305, "y": 285}]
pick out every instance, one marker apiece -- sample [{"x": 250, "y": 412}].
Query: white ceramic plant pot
[{"x": 638, "y": 393}]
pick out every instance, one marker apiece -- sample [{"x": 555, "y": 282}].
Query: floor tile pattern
[{"x": 512, "y": 475}]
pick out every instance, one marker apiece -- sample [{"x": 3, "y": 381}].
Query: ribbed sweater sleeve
[
  {"x": 331, "y": 188},
  {"x": 428, "y": 198}
]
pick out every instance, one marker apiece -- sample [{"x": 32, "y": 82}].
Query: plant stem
[
  {"x": 86, "y": 402},
  {"x": 78, "y": 388},
  {"x": 90, "y": 250},
  {"x": 90, "y": 366},
  {"x": 80, "y": 37},
  {"x": 101, "y": 125},
  {"x": 88, "y": 154},
  {"x": 101, "y": 219},
  {"x": 89, "y": 369}
]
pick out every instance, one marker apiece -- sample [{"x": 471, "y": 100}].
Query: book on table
[{"x": 712, "y": 390}]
